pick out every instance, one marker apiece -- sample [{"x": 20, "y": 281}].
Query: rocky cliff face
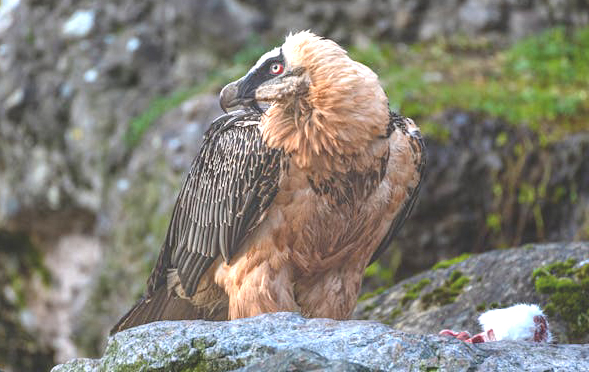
[{"x": 85, "y": 191}]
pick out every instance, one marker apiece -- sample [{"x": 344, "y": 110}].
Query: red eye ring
[{"x": 276, "y": 68}]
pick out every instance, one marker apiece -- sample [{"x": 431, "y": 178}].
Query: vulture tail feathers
[{"x": 162, "y": 305}]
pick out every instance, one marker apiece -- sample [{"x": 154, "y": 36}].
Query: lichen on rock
[{"x": 448, "y": 292}]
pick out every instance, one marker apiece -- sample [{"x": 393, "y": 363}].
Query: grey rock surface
[
  {"x": 411, "y": 20},
  {"x": 269, "y": 341},
  {"x": 301, "y": 359},
  {"x": 500, "y": 277}
]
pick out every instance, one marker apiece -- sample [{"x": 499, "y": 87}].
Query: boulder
[
  {"x": 453, "y": 295},
  {"x": 289, "y": 342}
]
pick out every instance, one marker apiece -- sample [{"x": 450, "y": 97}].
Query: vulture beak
[
  {"x": 238, "y": 93},
  {"x": 228, "y": 96}
]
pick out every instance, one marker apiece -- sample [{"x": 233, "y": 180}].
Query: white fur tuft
[{"x": 513, "y": 323}]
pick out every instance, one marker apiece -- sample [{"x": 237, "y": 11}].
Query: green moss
[
  {"x": 550, "y": 310},
  {"x": 432, "y": 129},
  {"x": 481, "y": 307},
  {"x": 384, "y": 274},
  {"x": 397, "y": 311},
  {"x": 157, "y": 107},
  {"x": 501, "y": 139},
  {"x": 370, "y": 307},
  {"x": 539, "y": 82},
  {"x": 20, "y": 260},
  {"x": 459, "y": 283},
  {"x": 215, "y": 80},
  {"x": 568, "y": 288},
  {"x": 447, "y": 263},
  {"x": 448, "y": 292},
  {"x": 372, "y": 294},
  {"x": 414, "y": 290},
  {"x": 557, "y": 269},
  {"x": 527, "y": 194},
  {"x": 372, "y": 269}
]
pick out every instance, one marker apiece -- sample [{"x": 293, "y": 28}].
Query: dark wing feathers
[
  {"x": 230, "y": 185},
  {"x": 418, "y": 147}
]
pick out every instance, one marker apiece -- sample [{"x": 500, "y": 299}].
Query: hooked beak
[
  {"x": 228, "y": 96},
  {"x": 237, "y": 93}
]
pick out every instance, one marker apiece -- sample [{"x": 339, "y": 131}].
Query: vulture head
[{"x": 321, "y": 107}]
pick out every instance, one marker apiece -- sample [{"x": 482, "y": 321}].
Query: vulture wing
[
  {"x": 417, "y": 146},
  {"x": 231, "y": 183}
]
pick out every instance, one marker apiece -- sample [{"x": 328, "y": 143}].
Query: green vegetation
[
  {"x": 216, "y": 79},
  {"x": 448, "y": 292},
  {"x": 381, "y": 274},
  {"x": 494, "y": 305},
  {"x": 377, "y": 270},
  {"x": 414, "y": 290},
  {"x": 447, "y": 263},
  {"x": 540, "y": 82},
  {"x": 20, "y": 259},
  {"x": 568, "y": 288},
  {"x": 158, "y": 107},
  {"x": 397, "y": 311},
  {"x": 368, "y": 295}
]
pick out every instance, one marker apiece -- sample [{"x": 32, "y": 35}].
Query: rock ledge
[{"x": 287, "y": 341}]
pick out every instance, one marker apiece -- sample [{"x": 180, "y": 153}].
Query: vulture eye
[{"x": 276, "y": 68}]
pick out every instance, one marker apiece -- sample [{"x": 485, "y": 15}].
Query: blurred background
[{"x": 103, "y": 105}]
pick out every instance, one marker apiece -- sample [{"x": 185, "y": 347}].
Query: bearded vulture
[{"x": 291, "y": 197}]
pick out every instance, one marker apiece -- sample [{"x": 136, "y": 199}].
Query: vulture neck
[{"x": 329, "y": 136}]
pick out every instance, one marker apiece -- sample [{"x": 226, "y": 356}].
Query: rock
[
  {"x": 301, "y": 359},
  {"x": 80, "y": 24},
  {"x": 443, "y": 299},
  {"x": 269, "y": 341},
  {"x": 14, "y": 103},
  {"x": 489, "y": 185},
  {"x": 412, "y": 20},
  {"x": 87, "y": 73},
  {"x": 6, "y": 9},
  {"x": 20, "y": 349},
  {"x": 72, "y": 265},
  {"x": 477, "y": 16}
]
